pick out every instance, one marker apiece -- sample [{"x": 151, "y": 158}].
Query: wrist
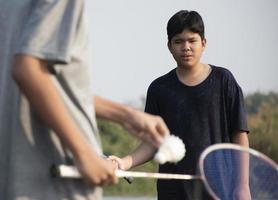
[{"x": 127, "y": 163}]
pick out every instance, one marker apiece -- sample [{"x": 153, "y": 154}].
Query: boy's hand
[
  {"x": 120, "y": 163},
  {"x": 149, "y": 128},
  {"x": 96, "y": 170}
]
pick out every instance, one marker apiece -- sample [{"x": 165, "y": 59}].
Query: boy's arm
[
  {"x": 34, "y": 80},
  {"x": 148, "y": 127},
  {"x": 241, "y": 138},
  {"x": 242, "y": 190},
  {"x": 142, "y": 154}
]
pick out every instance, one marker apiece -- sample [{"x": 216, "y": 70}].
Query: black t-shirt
[{"x": 200, "y": 115}]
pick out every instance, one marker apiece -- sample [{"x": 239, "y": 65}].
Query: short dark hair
[{"x": 185, "y": 20}]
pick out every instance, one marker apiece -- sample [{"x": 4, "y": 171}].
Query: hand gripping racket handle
[
  {"x": 66, "y": 171},
  {"x": 69, "y": 171}
]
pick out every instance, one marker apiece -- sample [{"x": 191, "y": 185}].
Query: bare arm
[
  {"x": 34, "y": 80},
  {"x": 242, "y": 190},
  {"x": 142, "y": 154},
  {"x": 241, "y": 138},
  {"x": 148, "y": 127}
]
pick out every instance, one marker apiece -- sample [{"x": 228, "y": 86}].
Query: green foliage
[
  {"x": 255, "y": 101},
  {"x": 263, "y": 122},
  {"x": 116, "y": 139}
]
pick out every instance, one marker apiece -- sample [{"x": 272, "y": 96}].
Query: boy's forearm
[
  {"x": 140, "y": 155},
  {"x": 241, "y": 138},
  {"x": 147, "y": 127},
  {"x": 107, "y": 109},
  {"x": 35, "y": 82}
]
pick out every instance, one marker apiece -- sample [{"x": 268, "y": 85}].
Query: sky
[{"x": 129, "y": 43}]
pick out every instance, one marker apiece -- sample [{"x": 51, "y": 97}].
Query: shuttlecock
[{"x": 171, "y": 150}]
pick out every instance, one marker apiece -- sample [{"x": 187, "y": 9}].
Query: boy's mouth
[{"x": 186, "y": 56}]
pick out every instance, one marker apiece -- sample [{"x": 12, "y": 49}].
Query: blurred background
[{"x": 129, "y": 43}]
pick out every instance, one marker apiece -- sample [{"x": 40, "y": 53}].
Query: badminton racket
[{"x": 228, "y": 171}]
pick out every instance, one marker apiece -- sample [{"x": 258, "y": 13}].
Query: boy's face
[{"x": 187, "y": 48}]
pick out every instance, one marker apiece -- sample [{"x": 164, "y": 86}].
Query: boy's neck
[{"x": 192, "y": 76}]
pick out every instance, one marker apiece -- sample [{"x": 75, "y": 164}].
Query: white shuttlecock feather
[{"x": 171, "y": 150}]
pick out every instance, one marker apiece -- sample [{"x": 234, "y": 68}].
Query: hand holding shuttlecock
[{"x": 171, "y": 150}]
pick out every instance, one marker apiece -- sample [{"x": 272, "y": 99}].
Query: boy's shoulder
[
  {"x": 222, "y": 72},
  {"x": 164, "y": 79},
  {"x": 225, "y": 77}
]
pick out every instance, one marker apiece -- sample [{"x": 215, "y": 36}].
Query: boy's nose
[{"x": 186, "y": 46}]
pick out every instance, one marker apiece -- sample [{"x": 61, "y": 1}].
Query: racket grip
[
  {"x": 64, "y": 171},
  {"x": 69, "y": 171}
]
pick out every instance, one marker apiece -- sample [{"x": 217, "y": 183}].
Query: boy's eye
[
  {"x": 192, "y": 41},
  {"x": 177, "y": 41}
]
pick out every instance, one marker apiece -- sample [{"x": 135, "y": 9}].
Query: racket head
[{"x": 225, "y": 167}]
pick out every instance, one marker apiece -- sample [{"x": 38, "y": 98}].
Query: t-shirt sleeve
[
  {"x": 238, "y": 115},
  {"x": 49, "y": 32},
  {"x": 151, "y": 101}
]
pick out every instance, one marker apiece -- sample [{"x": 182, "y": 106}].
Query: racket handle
[
  {"x": 69, "y": 171},
  {"x": 64, "y": 171},
  {"x": 129, "y": 179}
]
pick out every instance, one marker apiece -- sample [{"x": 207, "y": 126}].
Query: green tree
[{"x": 263, "y": 121}]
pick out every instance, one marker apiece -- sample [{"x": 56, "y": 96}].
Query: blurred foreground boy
[{"x": 50, "y": 119}]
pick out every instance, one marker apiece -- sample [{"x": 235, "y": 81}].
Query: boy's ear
[
  {"x": 169, "y": 46},
  {"x": 204, "y": 43}
]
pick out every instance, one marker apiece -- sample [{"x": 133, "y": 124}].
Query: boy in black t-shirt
[{"x": 200, "y": 103}]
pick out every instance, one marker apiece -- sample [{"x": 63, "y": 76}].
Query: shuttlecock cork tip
[{"x": 171, "y": 150}]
